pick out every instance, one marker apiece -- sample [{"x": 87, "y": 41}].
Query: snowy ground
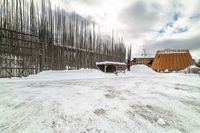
[{"x": 140, "y": 101}]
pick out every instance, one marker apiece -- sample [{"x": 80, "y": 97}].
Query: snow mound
[
  {"x": 161, "y": 121},
  {"x": 191, "y": 69},
  {"x": 69, "y": 74},
  {"x": 141, "y": 69}
]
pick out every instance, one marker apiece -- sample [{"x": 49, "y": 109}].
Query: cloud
[
  {"x": 152, "y": 23},
  {"x": 139, "y": 18},
  {"x": 192, "y": 44},
  {"x": 169, "y": 28},
  {"x": 173, "y": 25}
]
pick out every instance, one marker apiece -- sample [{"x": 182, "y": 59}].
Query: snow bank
[
  {"x": 142, "y": 69},
  {"x": 80, "y": 74},
  {"x": 71, "y": 74},
  {"x": 87, "y": 100},
  {"x": 66, "y": 75},
  {"x": 191, "y": 69}
]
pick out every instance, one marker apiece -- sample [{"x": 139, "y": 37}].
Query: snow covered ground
[{"x": 84, "y": 101}]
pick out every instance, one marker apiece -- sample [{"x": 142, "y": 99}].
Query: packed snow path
[{"x": 90, "y": 101}]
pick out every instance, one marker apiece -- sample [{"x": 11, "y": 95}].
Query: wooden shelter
[
  {"x": 171, "y": 60},
  {"x": 111, "y": 67}
]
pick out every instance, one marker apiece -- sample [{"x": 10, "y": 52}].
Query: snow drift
[
  {"x": 191, "y": 69},
  {"x": 91, "y": 101},
  {"x": 142, "y": 69}
]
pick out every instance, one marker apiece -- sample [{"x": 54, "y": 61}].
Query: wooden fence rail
[
  {"x": 34, "y": 37},
  {"x": 24, "y": 54}
]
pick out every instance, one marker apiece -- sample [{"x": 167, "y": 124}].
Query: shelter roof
[{"x": 110, "y": 63}]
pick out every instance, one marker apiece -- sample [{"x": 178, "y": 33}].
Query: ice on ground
[{"x": 92, "y": 101}]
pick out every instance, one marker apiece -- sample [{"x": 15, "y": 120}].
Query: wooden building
[
  {"x": 142, "y": 60},
  {"x": 171, "y": 60},
  {"x": 111, "y": 67}
]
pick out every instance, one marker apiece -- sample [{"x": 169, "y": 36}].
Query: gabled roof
[{"x": 172, "y": 51}]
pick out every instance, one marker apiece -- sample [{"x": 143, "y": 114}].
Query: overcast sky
[{"x": 153, "y": 24}]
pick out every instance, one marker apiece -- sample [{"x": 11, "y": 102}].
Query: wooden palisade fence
[{"x": 35, "y": 37}]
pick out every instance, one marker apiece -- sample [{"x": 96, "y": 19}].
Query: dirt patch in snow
[
  {"x": 100, "y": 111},
  {"x": 154, "y": 113},
  {"x": 109, "y": 96},
  {"x": 188, "y": 88},
  {"x": 112, "y": 93}
]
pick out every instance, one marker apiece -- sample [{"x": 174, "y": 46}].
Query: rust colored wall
[
  {"x": 144, "y": 61},
  {"x": 173, "y": 61}
]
